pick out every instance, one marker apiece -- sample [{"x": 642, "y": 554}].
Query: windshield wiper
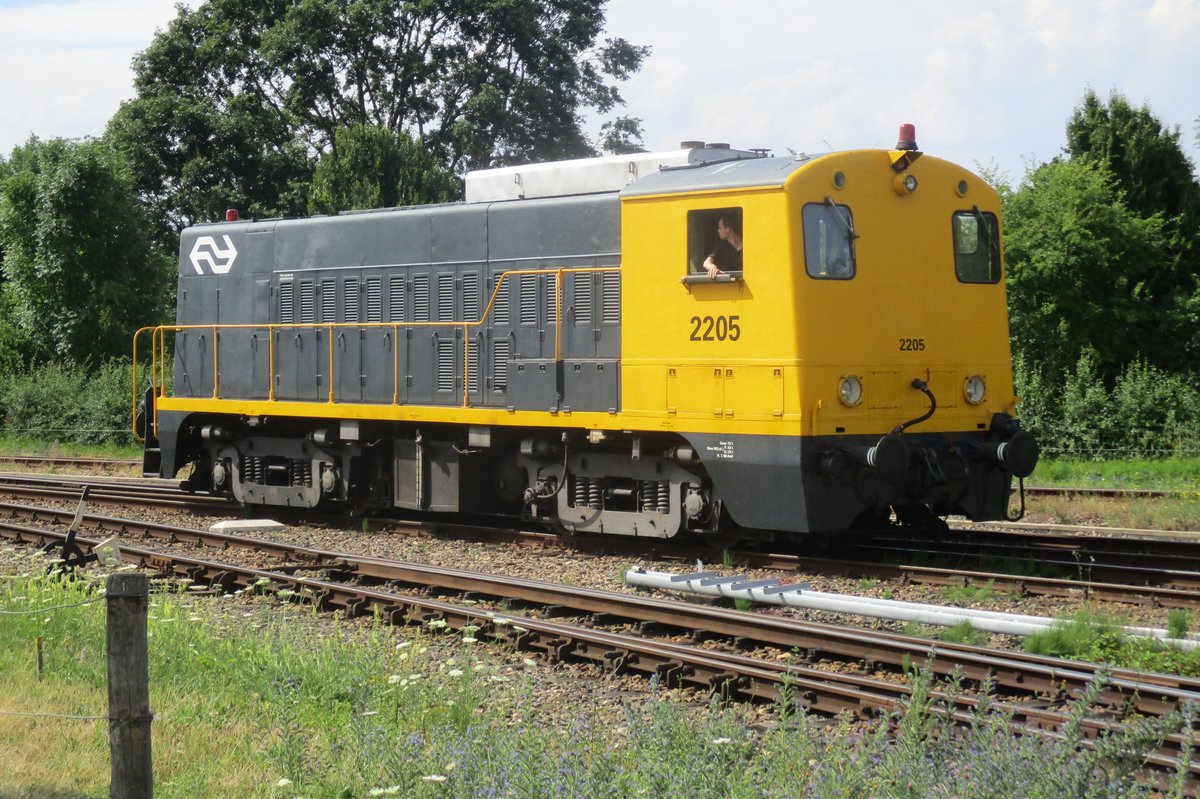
[
  {"x": 987, "y": 230},
  {"x": 846, "y": 220}
]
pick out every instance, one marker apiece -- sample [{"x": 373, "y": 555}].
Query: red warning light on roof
[{"x": 908, "y": 137}]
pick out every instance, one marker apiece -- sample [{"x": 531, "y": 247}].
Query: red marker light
[
  {"x": 908, "y": 137},
  {"x": 232, "y": 214}
]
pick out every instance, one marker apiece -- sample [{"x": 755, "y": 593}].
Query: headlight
[
  {"x": 974, "y": 389},
  {"x": 850, "y": 390},
  {"x": 904, "y": 184}
]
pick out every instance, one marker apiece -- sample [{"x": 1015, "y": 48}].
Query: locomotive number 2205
[{"x": 716, "y": 328}]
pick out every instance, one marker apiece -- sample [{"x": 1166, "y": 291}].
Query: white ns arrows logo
[{"x": 207, "y": 251}]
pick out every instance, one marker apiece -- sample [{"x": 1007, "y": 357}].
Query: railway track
[
  {"x": 55, "y": 461},
  {"x": 1161, "y": 574},
  {"x": 736, "y": 654}
]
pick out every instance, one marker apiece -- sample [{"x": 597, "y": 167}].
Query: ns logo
[{"x": 206, "y": 251}]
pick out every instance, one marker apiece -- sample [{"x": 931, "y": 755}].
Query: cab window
[
  {"x": 829, "y": 241},
  {"x": 976, "y": 247},
  {"x": 714, "y": 233}
]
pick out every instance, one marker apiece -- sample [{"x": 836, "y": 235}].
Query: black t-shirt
[{"x": 727, "y": 257}]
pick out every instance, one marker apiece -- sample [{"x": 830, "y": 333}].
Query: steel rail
[
  {"x": 674, "y": 663},
  {"x": 1152, "y": 695}
]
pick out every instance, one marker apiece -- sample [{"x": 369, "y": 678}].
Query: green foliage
[
  {"x": 259, "y": 704},
  {"x": 963, "y": 633},
  {"x": 80, "y": 274},
  {"x": 1146, "y": 157},
  {"x": 971, "y": 592},
  {"x": 1103, "y": 255},
  {"x": 66, "y": 403},
  {"x": 372, "y": 167},
  {"x": 1147, "y": 410},
  {"x": 1078, "y": 267},
  {"x": 237, "y": 99},
  {"x": 1179, "y": 621},
  {"x": 1177, "y": 473},
  {"x": 1098, "y": 639}
]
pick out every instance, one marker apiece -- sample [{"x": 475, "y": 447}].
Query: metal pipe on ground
[{"x": 774, "y": 592}]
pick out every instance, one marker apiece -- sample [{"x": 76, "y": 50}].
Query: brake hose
[{"x": 923, "y": 387}]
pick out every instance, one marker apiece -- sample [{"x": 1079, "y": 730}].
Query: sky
[{"x": 990, "y": 86}]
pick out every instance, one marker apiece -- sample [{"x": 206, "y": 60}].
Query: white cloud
[
  {"x": 983, "y": 83},
  {"x": 66, "y": 65}
]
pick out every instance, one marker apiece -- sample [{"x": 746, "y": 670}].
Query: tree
[
  {"x": 80, "y": 273},
  {"x": 1079, "y": 263},
  {"x": 370, "y": 167},
  {"x": 237, "y": 98},
  {"x": 1144, "y": 156},
  {"x": 1154, "y": 173}
]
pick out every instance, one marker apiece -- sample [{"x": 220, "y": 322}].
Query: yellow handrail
[{"x": 158, "y": 342}]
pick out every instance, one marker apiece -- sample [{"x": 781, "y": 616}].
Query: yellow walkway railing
[{"x": 158, "y": 342}]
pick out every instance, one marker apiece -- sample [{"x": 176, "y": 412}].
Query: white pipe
[{"x": 775, "y": 593}]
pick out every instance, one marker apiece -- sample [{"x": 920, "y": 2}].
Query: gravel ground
[
  {"x": 599, "y": 571},
  {"x": 563, "y": 692}
]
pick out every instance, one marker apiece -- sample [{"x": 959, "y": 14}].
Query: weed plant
[
  {"x": 257, "y": 700},
  {"x": 970, "y": 593},
  {"x": 1099, "y": 639}
]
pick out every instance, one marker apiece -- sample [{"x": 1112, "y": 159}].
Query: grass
[
  {"x": 1165, "y": 474},
  {"x": 969, "y": 593},
  {"x": 253, "y": 699},
  {"x": 26, "y": 445},
  {"x": 1098, "y": 638}
]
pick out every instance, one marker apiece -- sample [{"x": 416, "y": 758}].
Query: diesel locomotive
[{"x": 553, "y": 348}]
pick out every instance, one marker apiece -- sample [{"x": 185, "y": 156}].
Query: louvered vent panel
[
  {"x": 351, "y": 309},
  {"x": 473, "y": 370},
  {"x": 445, "y": 365},
  {"x": 421, "y": 298},
  {"x": 501, "y": 310},
  {"x": 308, "y": 302},
  {"x": 395, "y": 299},
  {"x": 445, "y": 298},
  {"x": 286, "y": 303},
  {"x": 328, "y": 301},
  {"x": 374, "y": 299},
  {"x": 611, "y": 288},
  {"x": 583, "y": 299},
  {"x": 470, "y": 292},
  {"x": 528, "y": 298},
  {"x": 551, "y": 289},
  {"x": 501, "y": 348}
]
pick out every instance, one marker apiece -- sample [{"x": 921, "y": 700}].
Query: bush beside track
[{"x": 68, "y": 404}]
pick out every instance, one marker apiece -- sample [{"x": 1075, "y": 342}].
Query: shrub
[{"x": 66, "y": 404}]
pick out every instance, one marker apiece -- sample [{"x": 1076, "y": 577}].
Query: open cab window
[
  {"x": 976, "y": 247},
  {"x": 704, "y": 241},
  {"x": 829, "y": 241}
]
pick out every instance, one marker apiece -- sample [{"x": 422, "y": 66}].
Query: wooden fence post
[{"x": 128, "y": 597}]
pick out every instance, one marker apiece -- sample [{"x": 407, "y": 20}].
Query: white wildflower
[
  {"x": 434, "y": 778},
  {"x": 720, "y": 741},
  {"x": 436, "y": 624},
  {"x": 454, "y": 673},
  {"x": 284, "y": 782},
  {"x": 470, "y": 639},
  {"x": 389, "y": 791},
  {"x": 395, "y": 678}
]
